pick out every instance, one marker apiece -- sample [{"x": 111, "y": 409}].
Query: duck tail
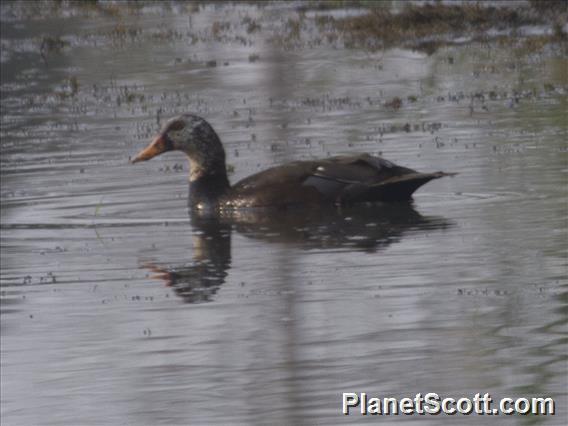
[{"x": 398, "y": 188}]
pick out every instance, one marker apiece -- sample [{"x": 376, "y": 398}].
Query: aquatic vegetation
[
  {"x": 219, "y": 27},
  {"x": 423, "y": 26},
  {"x": 53, "y": 44},
  {"x": 251, "y": 24},
  {"x": 395, "y": 103}
]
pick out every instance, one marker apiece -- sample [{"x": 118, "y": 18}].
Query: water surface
[{"x": 118, "y": 307}]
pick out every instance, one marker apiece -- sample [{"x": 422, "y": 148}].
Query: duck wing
[{"x": 339, "y": 179}]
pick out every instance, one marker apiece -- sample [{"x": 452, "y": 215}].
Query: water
[{"x": 117, "y": 307}]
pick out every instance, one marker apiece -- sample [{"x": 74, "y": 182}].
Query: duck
[{"x": 334, "y": 181}]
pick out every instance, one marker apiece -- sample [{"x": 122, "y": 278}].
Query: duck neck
[
  {"x": 208, "y": 180},
  {"x": 206, "y": 189}
]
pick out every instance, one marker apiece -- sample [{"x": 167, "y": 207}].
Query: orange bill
[{"x": 157, "y": 147}]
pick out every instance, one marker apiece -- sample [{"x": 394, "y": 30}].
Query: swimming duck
[{"x": 344, "y": 179}]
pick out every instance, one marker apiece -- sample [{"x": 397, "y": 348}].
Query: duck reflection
[
  {"x": 369, "y": 228},
  {"x": 200, "y": 281}
]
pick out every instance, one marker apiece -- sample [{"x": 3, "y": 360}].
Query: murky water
[{"x": 118, "y": 308}]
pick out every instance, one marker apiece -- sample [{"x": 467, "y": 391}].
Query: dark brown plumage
[{"x": 335, "y": 180}]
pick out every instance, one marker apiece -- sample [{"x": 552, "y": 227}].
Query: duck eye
[{"x": 176, "y": 125}]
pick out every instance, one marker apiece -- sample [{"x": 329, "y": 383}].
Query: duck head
[{"x": 196, "y": 138}]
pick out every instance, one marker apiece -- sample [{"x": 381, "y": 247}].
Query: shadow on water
[{"x": 368, "y": 228}]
